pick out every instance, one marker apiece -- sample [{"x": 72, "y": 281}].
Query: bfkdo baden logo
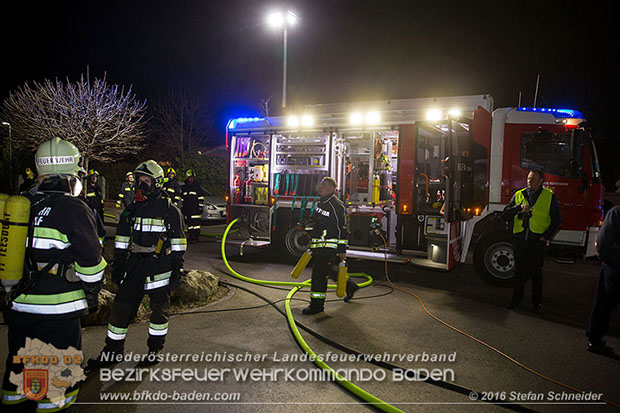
[
  {"x": 35, "y": 383},
  {"x": 49, "y": 373}
]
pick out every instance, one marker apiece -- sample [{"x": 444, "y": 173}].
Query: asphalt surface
[{"x": 377, "y": 321}]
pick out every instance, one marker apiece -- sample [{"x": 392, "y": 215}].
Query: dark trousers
[
  {"x": 61, "y": 334},
  {"x": 193, "y": 226},
  {"x": 605, "y": 302},
  {"x": 125, "y": 307},
  {"x": 529, "y": 258},
  {"x": 325, "y": 265}
]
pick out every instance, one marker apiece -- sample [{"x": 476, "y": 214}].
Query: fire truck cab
[{"x": 423, "y": 180}]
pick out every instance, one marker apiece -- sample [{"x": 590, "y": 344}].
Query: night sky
[{"x": 340, "y": 51}]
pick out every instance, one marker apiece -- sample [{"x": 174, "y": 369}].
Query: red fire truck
[{"x": 423, "y": 180}]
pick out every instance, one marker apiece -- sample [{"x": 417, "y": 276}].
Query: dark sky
[{"x": 340, "y": 51}]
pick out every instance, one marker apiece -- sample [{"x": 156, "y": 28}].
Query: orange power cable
[{"x": 477, "y": 340}]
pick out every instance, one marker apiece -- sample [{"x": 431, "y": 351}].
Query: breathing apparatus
[
  {"x": 146, "y": 190},
  {"x": 58, "y": 163}
]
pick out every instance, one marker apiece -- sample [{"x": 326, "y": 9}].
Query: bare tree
[
  {"x": 105, "y": 122},
  {"x": 182, "y": 121},
  {"x": 263, "y": 106}
]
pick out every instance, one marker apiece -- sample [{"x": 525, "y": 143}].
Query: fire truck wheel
[
  {"x": 494, "y": 260},
  {"x": 294, "y": 242}
]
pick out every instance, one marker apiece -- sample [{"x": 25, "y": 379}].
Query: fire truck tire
[
  {"x": 293, "y": 242},
  {"x": 494, "y": 260}
]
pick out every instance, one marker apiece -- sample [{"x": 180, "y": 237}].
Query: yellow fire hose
[{"x": 359, "y": 392}]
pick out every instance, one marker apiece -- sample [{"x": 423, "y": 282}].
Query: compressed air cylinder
[
  {"x": 376, "y": 184},
  {"x": 341, "y": 284},
  {"x": 14, "y": 233},
  {"x": 301, "y": 264}
]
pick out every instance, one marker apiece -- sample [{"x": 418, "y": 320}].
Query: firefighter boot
[
  {"x": 315, "y": 307},
  {"x": 106, "y": 358}
]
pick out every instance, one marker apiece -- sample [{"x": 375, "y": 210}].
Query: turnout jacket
[
  {"x": 141, "y": 226},
  {"x": 193, "y": 199},
  {"x": 63, "y": 232},
  {"x": 330, "y": 231},
  {"x": 608, "y": 239},
  {"x": 126, "y": 196},
  {"x": 94, "y": 197},
  {"x": 173, "y": 188}
]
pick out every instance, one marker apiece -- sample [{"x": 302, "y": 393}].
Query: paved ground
[{"x": 374, "y": 323}]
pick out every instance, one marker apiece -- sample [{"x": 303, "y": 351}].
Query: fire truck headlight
[
  {"x": 293, "y": 121},
  {"x": 455, "y": 112},
  {"x": 373, "y": 117},
  {"x": 356, "y": 118},
  {"x": 307, "y": 120},
  {"x": 434, "y": 114}
]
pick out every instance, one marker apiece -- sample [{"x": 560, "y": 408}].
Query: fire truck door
[{"x": 459, "y": 171}]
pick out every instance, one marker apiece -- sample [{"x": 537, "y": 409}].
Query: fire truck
[{"x": 424, "y": 181}]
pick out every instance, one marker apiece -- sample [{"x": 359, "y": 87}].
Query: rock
[
  {"x": 195, "y": 287},
  {"x": 106, "y": 298}
]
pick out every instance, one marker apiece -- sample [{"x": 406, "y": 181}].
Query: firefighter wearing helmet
[
  {"x": 193, "y": 202},
  {"x": 94, "y": 195},
  {"x": 148, "y": 259},
  {"x": 172, "y": 186},
  {"x": 127, "y": 194},
  {"x": 63, "y": 270}
]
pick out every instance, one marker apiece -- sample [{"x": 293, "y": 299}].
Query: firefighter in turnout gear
[
  {"x": 127, "y": 194},
  {"x": 193, "y": 201},
  {"x": 173, "y": 187},
  {"x": 148, "y": 258},
  {"x": 63, "y": 269},
  {"x": 328, "y": 245},
  {"x": 94, "y": 195}
]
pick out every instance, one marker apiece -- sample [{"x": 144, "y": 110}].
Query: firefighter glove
[{"x": 175, "y": 278}]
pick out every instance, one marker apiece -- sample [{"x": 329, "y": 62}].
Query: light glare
[
  {"x": 275, "y": 20},
  {"x": 293, "y": 121},
  {"x": 373, "y": 117},
  {"x": 455, "y": 113},
  {"x": 291, "y": 18},
  {"x": 434, "y": 114},
  {"x": 356, "y": 118},
  {"x": 307, "y": 120}
]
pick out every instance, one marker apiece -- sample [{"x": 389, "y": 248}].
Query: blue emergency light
[
  {"x": 232, "y": 124},
  {"x": 558, "y": 113}
]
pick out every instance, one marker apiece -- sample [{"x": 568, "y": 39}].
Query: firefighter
[
  {"x": 127, "y": 194},
  {"x": 536, "y": 217},
  {"x": 29, "y": 180},
  {"x": 173, "y": 187},
  {"x": 94, "y": 195},
  {"x": 193, "y": 201},
  {"x": 63, "y": 266},
  {"x": 148, "y": 258},
  {"x": 328, "y": 245},
  {"x": 607, "y": 294}
]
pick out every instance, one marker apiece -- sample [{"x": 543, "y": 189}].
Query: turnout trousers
[
  {"x": 325, "y": 265},
  {"x": 126, "y": 304},
  {"x": 605, "y": 302}
]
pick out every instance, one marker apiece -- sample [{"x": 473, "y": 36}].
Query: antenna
[
  {"x": 536, "y": 93},
  {"x": 519, "y": 104}
]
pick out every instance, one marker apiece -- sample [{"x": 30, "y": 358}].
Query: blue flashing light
[
  {"x": 558, "y": 113},
  {"x": 232, "y": 124}
]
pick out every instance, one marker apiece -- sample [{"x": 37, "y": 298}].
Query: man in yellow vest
[{"x": 536, "y": 218}]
